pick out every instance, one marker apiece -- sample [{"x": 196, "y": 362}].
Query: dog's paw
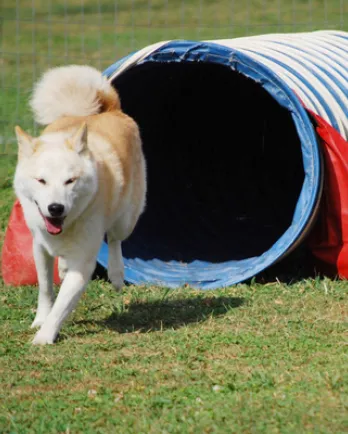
[
  {"x": 43, "y": 337},
  {"x": 40, "y": 317},
  {"x": 37, "y": 322},
  {"x": 117, "y": 279}
]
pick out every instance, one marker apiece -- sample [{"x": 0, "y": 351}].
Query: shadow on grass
[{"x": 148, "y": 316}]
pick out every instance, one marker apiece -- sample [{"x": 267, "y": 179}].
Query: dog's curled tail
[{"x": 72, "y": 91}]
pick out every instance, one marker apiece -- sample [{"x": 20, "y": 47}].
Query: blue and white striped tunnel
[{"x": 234, "y": 164}]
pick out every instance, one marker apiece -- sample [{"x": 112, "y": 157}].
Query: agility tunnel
[
  {"x": 247, "y": 154},
  {"x": 234, "y": 163}
]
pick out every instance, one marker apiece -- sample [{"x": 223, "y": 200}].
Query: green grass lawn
[{"x": 253, "y": 358}]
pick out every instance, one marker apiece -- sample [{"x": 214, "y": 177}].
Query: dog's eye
[
  {"x": 69, "y": 181},
  {"x": 41, "y": 181}
]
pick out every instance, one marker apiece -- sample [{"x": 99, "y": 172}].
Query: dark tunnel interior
[{"x": 223, "y": 159}]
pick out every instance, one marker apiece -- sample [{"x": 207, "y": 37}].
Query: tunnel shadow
[
  {"x": 149, "y": 316},
  {"x": 146, "y": 316},
  {"x": 296, "y": 267}
]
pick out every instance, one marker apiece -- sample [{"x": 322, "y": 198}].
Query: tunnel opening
[{"x": 224, "y": 163}]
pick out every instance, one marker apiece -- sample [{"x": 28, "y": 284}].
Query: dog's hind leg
[
  {"x": 121, "y": 230},
  {"x": 115, "y": 261},
  {"x": 44, "y": 268}
]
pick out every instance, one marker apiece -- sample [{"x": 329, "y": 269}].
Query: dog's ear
[
  {"x": 25, "y": 143},
  {"x": 79, "y": 140}
]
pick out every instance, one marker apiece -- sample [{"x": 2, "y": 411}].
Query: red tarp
[
  {"x": 17, "y": 265},
  {"x": 329, "y": 239}
]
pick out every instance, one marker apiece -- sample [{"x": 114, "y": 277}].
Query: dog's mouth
[{"x": 54, "y": 225}]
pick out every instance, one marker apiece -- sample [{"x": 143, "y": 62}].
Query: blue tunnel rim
[{"x": 205, "y": 275}]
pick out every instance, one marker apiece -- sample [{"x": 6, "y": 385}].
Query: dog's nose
[{"x": 56, "y": 209}]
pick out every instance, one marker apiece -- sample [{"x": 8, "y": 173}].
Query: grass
[{"x": 253, "y": 358}]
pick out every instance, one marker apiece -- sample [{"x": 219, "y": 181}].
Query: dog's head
[{"x": 57, "y": 175}]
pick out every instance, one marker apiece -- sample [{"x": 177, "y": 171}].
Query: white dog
[{"x": 84, "y": 176}]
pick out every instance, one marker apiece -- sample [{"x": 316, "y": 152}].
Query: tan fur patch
[
  {"x": 37, "y": 145},
  {"x": 109, "y": 102}
]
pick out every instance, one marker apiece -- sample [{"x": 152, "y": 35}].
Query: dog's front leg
[
  {"x": 44, "y": 268},
  {"x": 74, "y": 284}
]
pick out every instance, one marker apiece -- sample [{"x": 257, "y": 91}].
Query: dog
[{"x": 82, "y": 178}]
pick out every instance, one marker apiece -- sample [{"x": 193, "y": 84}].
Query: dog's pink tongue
[{"x": 53, "y": 226}]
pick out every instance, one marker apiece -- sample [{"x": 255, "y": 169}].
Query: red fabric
[
  {"x": 329, "y": 238},
  {"x": 17, "y": 265}
]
